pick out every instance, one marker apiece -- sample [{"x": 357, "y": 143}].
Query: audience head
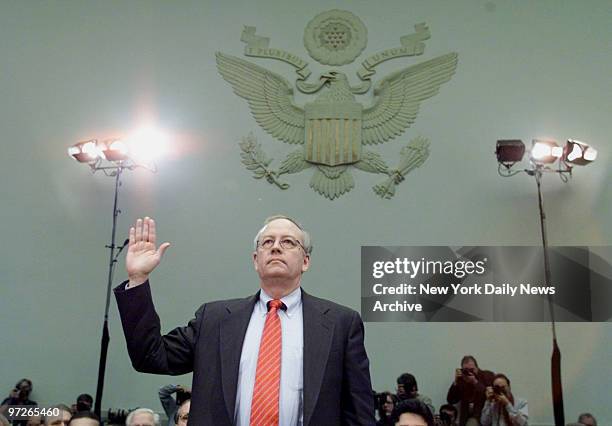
[
  {"x": 60, "y": 420},
  {"x": 142, "y": 417},
  {"x": 84, "y": 402},
  {"x": 469, "y": 364},
  {"x": 182, "y": 414},
  {"x": 412, "y": 412},
  {"x": 501, "y": 384},
  {"x": 448, "y": 414},
  {"x": 84, "y": 418},
  {"x": 35, "y": 421},
  {"x": 24, "y": 387},
  {"x": 385, "y": 403},
  {"x": 407, "y": 386},
  {"x": 587, "y": 419}
]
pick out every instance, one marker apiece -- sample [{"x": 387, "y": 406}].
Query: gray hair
[
  {"x": 62, "y": 407},
  {"x": 588, "y": 416},
  {"x": 305, "y": 235},
  {"x": 130, "y": 417}
]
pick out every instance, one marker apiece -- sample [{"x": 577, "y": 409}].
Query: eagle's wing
[
  {"x": 269, "y": 96},
  {"x": 399, "y": 96}
]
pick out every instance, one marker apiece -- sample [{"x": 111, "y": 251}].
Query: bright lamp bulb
[
  {"x": 545, "y": 151},
  {"x": 147, "y": 144}
]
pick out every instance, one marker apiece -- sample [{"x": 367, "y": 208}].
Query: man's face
[
  {"x": 276, "y": 262},
  {"x": 183, "y": 414},
  {"x": 470, "y": 366},
  {"x": 142, "y": 419},
  {"x": 24, "y": 389},
  {"x": 61, "y": 420},
  {"x": 410, "y": 419}
]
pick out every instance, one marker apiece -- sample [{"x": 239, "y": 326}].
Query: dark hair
[
  {"x": 381, "y": 400},
  {"x": 176, "y": 417},
  {"x": 409, "y": 382},
  {"x": 449, "y": 407},
  {"x": 24, "y": 380},
  {"x": 84, "y": 402},
  {"x": 501, "y": 376},
  {"x": 85, "y": 415},
  {"x": 469, "y": 358},
  {"x": 413, "y": 406}
]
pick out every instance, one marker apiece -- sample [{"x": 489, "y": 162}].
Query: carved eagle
[{"x": 333, "y": 128}]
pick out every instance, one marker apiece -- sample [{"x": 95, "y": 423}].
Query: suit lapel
[
  {"x": 318, "y": 332},
  {"x": 232, "y": 331}
]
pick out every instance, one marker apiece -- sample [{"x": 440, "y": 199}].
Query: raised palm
[{"x": 143, "y": 255}]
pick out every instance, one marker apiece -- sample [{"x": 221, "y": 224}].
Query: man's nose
[{"x": 276, "y": 247}]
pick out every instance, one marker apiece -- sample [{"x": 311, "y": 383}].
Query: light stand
[
  {"x": 112, "y": 159},
  {"x": 509, "y": 152}
]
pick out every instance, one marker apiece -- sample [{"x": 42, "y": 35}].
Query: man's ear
[
  {"x": 306, "y": 263},
  {"x": 255, "y": 260}
]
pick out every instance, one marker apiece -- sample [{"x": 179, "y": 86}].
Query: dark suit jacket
[{"x": 337, "y": 388}]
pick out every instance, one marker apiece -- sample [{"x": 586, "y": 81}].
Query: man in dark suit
[{"x": 280, "y": 357}]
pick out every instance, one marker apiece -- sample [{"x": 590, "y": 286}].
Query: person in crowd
[
  {"x": 468, "y": 390},
  {"x": 587, "y": 419},
  {"x": 502, "y": 408},
  {"x": 412, "y": 412},
  {"x": 84, "y": 418},
  {"x": 303, "y": 353},
  {"x": 19, "y": 395},
  {"x": 35, "y": 421},
  {"x": 84, "y": 402},
  {"x": 182, "y": 414},
  {"x": 407, "y": 388},
  {"x": 385, "y": 403},
  {"x": 62, "y": 419},
  {"x": 142, "y": 417},
  {"x": 448, "y": 415},
  {"x": 171, "y": 404}
]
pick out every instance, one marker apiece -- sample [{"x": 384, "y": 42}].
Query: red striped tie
[{"x": 264, "y": 407}]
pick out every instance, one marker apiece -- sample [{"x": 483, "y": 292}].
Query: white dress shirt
[{"x": 291, "y": 378}]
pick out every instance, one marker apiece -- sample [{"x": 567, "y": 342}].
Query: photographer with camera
[
  {"x": 502, "y": 408},
  {"x": 20, "y": 395},
  {"x": 468, "y": 389},
  {"x": 171, "y": 405},
  {"x": 385, "y": 403},
  {"x": 447, "y": 416}
]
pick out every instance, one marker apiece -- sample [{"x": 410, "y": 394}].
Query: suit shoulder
[{"x": 336, "y": 308}]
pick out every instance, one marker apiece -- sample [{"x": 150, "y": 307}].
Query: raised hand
[{"x": 143, "y": 255}]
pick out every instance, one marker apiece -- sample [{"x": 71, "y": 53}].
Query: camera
[
  {"x": 467, "y": 372},
  {"x": 498, "y": 390}
]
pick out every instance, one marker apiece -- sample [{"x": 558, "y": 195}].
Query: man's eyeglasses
[{"x": 286, "y": 243}]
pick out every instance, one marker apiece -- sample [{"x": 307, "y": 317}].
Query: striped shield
[{"x": 333, "y": 133}]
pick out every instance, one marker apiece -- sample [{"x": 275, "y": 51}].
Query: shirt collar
[{"x": 292, "y": 301}]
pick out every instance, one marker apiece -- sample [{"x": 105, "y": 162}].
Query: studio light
[
  {"x": 579, "y": 153},
  {"x": 545, "y": 152},
  {"x": 85, "y": 152},
  {"x": 114, "y": 150},
  {"x": 509, "y": 151},
  {"x": 113, "y": 157}
]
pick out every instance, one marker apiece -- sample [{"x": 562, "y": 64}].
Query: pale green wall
[{"x": 71, "y": 70}]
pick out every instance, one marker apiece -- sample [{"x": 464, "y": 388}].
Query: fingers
[
  {"x": 132, "y": 236},
  {"x": 152, "y": 232},
  {"x": 138, "y": 235},
  {"x": 162, "y": 249},
  {"x": 145, "y": 229}
]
